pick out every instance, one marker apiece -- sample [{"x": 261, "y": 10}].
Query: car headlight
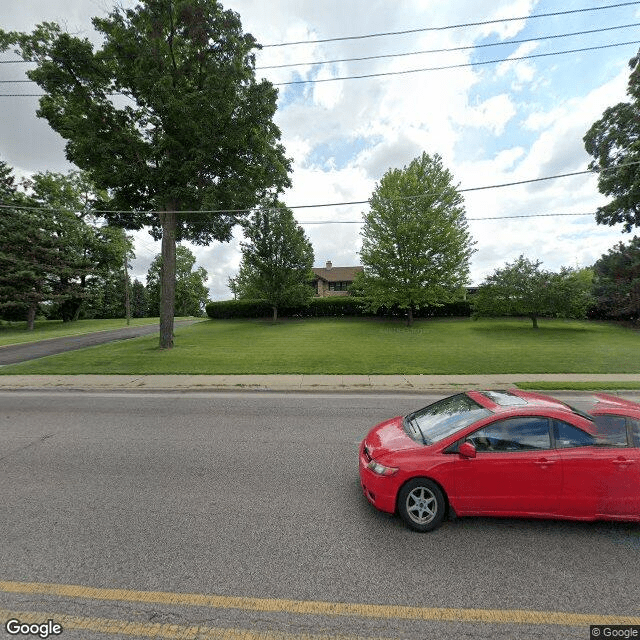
[{"x": 380, "y": 469}]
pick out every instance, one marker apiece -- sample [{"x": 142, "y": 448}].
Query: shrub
[{"x": 329, "y": 307}]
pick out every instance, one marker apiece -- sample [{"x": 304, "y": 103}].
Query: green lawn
[{"x": 362, "y": 346}]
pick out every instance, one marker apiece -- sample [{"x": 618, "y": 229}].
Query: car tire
[{"x": 421, "y": 504}]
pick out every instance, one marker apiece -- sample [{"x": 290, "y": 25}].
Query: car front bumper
[{"x": 379, "y": 490}]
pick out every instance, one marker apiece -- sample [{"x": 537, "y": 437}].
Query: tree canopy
[
  {"x": 617, "y": 281},
  {"x": 168, "y": 116},
  {"x": 55, "y": 251},
  {"x": 522, "y": 288},
  {"x": 415, "y": 242},
  {"x": 614, "y": 142},
  {"x": 32, "y": 257},
  {"x": 276, "y": 260}
]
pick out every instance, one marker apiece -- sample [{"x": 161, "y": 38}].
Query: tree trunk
[
  {"x": 410, "y": 316},
  {"x": 275, "y": 313},
  {"x": 167, "y": 277},
  {"x": 31, "y": 317},
  {"x": 534, "y": 319}
]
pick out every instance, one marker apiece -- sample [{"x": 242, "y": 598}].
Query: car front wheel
[{"x": 421, "y": 504}]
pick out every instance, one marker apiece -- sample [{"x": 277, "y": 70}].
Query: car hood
[{"x": 388, "y": 437}]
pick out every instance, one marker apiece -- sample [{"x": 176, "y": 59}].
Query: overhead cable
[
  {"x": 529, "y": 215},
  {"x": 410, "y": 53},
  {"x": 340, "y": 204},
  {"x": 448, "y": 50},
  {"x": 454, "y": 26},
  {"x": 390, "y": 73},
  {"x": 454, "y": 66}
]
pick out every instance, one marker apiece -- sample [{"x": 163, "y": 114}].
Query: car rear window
[
  {"x": 612, "y": 429},
  {"x": 441, "y": 419}
]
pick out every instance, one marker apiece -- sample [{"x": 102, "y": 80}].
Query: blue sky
[{"x": 492, "y": 124}]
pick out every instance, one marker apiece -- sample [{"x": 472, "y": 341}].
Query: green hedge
[{"x": 332, "y": 306}]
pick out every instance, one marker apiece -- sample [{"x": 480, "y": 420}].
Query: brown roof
[{"x": 337, "y": 274}]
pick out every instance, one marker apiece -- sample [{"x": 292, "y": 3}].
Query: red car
[
  {"x": 617, "y": 420},
  {"x": 505, "y": 453}
]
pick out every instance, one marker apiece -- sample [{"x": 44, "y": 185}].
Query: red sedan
[{"x": 505, "y": 453}]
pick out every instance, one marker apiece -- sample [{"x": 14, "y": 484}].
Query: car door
[
  {"x": 515, "y": 472},
  {"x": 619, "y": 486},
  {"x": 585, "y": 468}
]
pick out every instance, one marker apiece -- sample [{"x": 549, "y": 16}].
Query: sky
[{"x": 492, "y": 122}]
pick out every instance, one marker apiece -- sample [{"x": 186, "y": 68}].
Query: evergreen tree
[{"x": 617, "y": 281}]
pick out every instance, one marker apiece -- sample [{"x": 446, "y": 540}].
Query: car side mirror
[{"x": 467, "y": 450}]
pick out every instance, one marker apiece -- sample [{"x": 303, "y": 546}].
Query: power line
[
  {"x": 449, "y": 50},
  {"x": 339, "y": 204},
  {"x": 390, "y": 73},
  {"x": 409, "y": 53},
  {"x": 455, "y": 66},
  {"x": 451, "y": 26},
  {"x": 529, "y": 215},
  {"x": 440, "y": 28}
]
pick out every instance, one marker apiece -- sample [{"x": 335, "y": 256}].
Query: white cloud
[{"x": 492, "y": 114}]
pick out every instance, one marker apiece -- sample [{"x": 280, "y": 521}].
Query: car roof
[
  {"x": 605, "y": 403},
  {"x": 515, "y": 400}
]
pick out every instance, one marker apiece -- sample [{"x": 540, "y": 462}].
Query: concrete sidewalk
[{"x": 290, "y": 383}]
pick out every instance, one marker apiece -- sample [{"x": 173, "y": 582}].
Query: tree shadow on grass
[{"x": 525, "y": 327}]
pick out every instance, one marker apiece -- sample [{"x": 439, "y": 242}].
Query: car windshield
[{"x": 443, "y": 418}]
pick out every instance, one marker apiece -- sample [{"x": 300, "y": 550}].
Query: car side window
[
  {"x": 635, "y": 431},
  {"x": 568, "y": 436},
  {"x": 526, "y": 433},
  {"x": 611, "y": 430}
]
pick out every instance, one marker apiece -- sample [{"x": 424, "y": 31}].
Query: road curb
[{"x": 307, "y": 384}]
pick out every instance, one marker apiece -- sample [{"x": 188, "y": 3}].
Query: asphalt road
[
  {"x": 10, "y": 354},
  {"x": 254, "y": 498}
]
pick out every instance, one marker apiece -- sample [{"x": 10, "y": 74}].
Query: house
[{"x": 333, "y": 281}]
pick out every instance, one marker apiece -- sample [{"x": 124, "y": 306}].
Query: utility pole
[{"x": 127, "y": 296}]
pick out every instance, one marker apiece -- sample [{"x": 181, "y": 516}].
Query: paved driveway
[{"x": 11, "y": 354}]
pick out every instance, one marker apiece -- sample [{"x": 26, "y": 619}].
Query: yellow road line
[
  {"x": 302, "y": 607},
  {"x": 156, "y": 630}
]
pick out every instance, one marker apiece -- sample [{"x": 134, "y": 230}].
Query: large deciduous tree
[
  {"x": 415, "y": 242},
  {"x": 276, "y": 260},
  {"x": 522, "y": 288},
  {"x": 168, "y": 116},
  {"x": 614, "y": 142}
]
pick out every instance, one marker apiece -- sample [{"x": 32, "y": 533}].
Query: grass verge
[
  {"x": 622, "y": 385},
  {"x": 362, "y": 346}
]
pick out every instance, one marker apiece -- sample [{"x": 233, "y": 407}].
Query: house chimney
[{"x": 329, "y": 265}]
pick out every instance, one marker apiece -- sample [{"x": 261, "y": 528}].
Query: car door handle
[
  {"x": 545, "y": 462},
  {"x": 623, "y": 462}
]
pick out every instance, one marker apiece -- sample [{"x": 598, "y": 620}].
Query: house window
[{"x": 339, "y": 286}]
